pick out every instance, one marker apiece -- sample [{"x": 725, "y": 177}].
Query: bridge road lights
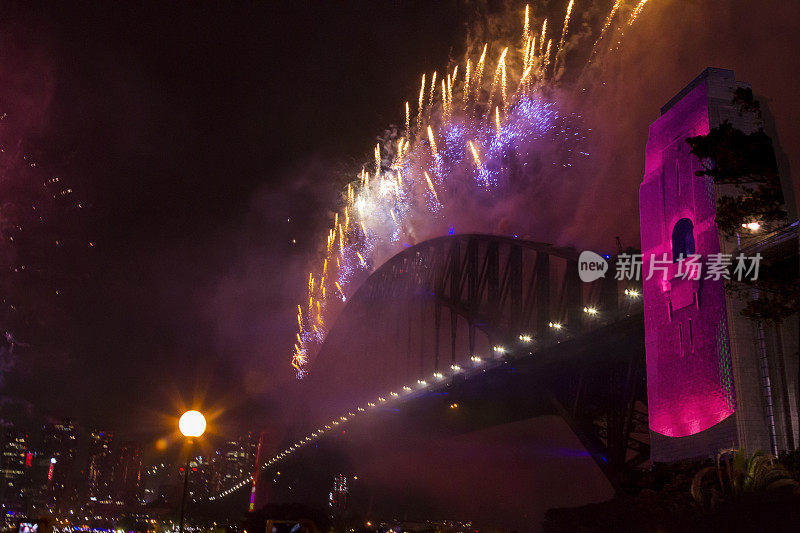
[{"x": 192, "y": 424}]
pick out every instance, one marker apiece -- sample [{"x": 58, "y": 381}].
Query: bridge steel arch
[
  {"x": 502, "y": 286},
  {"x": 447, "y": 299}
]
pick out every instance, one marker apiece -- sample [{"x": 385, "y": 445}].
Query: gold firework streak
[
  {"x": 547, "y": 53},
  {"x": 466, "y": 82},
  {"x": 564, "y": 28},
  {"x": 444, "y": 96},
  {"x": 606, "y": 25},
  {"x": 503, "y": 83},
  {"x": 479, "y": 68},
  {"x": 433, "y": 90},
  {"x": 526, "y": 27},
  {"x": 544, "y": 34},
  {"x": 377, "y": 161},
  {"x": 636, "y": 11},
  {"x": 475, "y": 155},
  {"x": 430, "y": 186},
  {"x": 526, "y": 35},
  {"x": 433, "y": 143},
  {"x": 421, "y": 99}
]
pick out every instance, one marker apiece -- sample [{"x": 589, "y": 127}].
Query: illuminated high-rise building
[
  {"x": 15, "y": 460},
  {"x": 337, "y": 497},
  {"x": 237, "y": 458},
  {"x": 127, "y": 471},
  {"x": 100, "y": 468},
  {"x": 59, "y": 448}
]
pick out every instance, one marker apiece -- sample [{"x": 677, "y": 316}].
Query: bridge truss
[
  {"x": 453, "y": 310},
  {"x": 455, "y": 299}
]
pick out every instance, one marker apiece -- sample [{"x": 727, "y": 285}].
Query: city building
[
  {"x": 14, "y": 464},
  {"x": 715, "y": 379},
  {"x": 127, "y": 472},
  {"x": 57, "y": 459},
  {"x": 201, "y": 477},
  {"x": 162, "y": 484},
  {"x": 100, "y": 467},
  {"x": 337, "y": 497},
  {"x": 237, "y": 458}
]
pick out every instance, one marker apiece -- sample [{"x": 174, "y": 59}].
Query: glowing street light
[
  {"x": 192, "y": 424},
  {"x": 752, "y": 226}
]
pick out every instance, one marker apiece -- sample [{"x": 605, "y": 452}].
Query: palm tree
[{"x": 739, "y": 475}]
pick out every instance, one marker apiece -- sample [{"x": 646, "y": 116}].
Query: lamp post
[{"x": 192, "y": 424}]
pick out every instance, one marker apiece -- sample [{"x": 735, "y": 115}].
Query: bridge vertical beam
[
  {"x": 514, "y": 289},
  {"x": 422, "y": 325},
  {"x": 588, "y": 439},
  {"x": 542, "y": 293},
  {"x": 471, "y": 334},
  {"x": 454, "y": 272},
  {"x": 409, "y": 322},
  {"x": 631, "y": 382},
  {"x": 492, "y": 270},
  {"x": 621, "y": 403},
  {"x": 456, "y": 276},
  {"x": 472, "y": 275},
  {"x": 572, "y": 297},
  {"x": 398, "y": 361},
  {"x": 614, "y": 445},
  {"x": 471, "y": 260},
  {"x": 453, "y": 335},
  {"x": 609, "y": 296},
  {"x": 437, "y": 326}
]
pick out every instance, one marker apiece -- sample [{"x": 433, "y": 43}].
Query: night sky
[{"x": 192, "y": 132}]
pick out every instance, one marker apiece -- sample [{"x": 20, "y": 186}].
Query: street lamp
[{"x": 192, "y": 424}]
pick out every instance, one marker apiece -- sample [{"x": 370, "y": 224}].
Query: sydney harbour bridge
[{"x": 499, "y": 329}]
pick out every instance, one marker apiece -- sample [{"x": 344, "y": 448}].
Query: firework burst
[{"x": 472, "y": 137}]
